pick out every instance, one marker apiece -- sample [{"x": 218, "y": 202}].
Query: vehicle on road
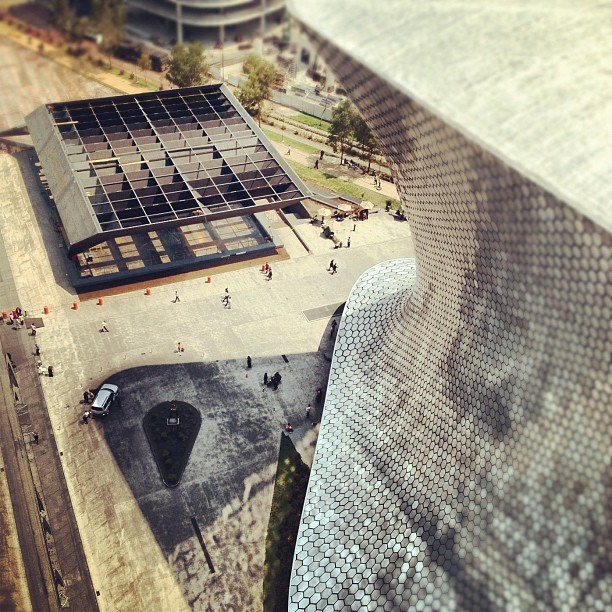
[{"x": 105, "y": 397}]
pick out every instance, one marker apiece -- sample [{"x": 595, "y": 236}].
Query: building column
[
  {"x": 262, "y": 19},
  {"x": 179, "y": 23}
]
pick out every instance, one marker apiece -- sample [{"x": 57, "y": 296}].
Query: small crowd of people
[
  {"x": 17, "y": 317},
  {"x": 267, "y": 271},
  {"x": 273, "y": 381}
]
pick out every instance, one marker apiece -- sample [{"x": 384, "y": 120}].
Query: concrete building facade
[
  {"x": 207, "y": 15},
  {"x": 464, "y": 452}
]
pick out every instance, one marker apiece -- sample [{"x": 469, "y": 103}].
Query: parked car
[{"x": 106, "y": 396}]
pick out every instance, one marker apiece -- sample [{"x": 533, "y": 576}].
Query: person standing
[
  {"x": 348, "y": 243},
  {"x": 104, "y": 328},
  {"x": 289, "y": 150},
  {"x": 228, "y": 303},
  {"x": 321, "y": 155},
  {"x": 86, "y": 416},
  {"x": 331, "y": 265},
  {"x": 265, "y": 379},
  {"x": 249, "y": 362},
  {"x": 35, "y": 437},
  {"x": 308, "y": 408},
  {"x": 176, "y": 297}
]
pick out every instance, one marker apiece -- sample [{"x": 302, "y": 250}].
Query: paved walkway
[{"x": 138, "y": 536}]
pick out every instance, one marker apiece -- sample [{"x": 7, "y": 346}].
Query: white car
[{"x": 104, "y": 399}]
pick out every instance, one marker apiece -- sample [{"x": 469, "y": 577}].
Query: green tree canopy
[
  {"x": 144, "y": 63},
  {"x": 188, "y": 65},
  {"x": 363, "y": 135},
  {"x": 62, "y": 15},
  {"x": 341, "y": 128},
  {"x": 109, "y": 19},
  {"x": 258, "y": 86},
  {"x": 79, "y": 29}
]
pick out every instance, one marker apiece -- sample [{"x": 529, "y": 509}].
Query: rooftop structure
[{"x": 132, "y": 164}]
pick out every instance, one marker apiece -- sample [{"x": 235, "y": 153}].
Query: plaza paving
[{"x": 138, "y": 536}]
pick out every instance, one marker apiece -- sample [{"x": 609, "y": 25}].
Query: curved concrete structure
[
  {"x": 203, "y": 15},
  {"x": 464, "y": 453}
]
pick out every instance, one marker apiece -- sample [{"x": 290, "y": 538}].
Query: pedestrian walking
[
  {"x": 331, "y": 265},
  {"x": 321, "y": 155},
  {"x": 249, "y": 362},
  {"x": 176, "y": 297},
  {"x": 308, "y": 408},
  {"x": 33, "y": 328},
  {"x": 334, "y": 268},
  {"x": 35, "y": 437},
  {"x": 86, "y": 416},
  {"x": 179, "y": 348},
  {"x": 104, "y": 328},
  {"x": 354, "y": 226},
  {"x": 269, "y": 275},
  {"x": 37, "y": 350},
  {"x": 265, "y": 379},
  {"x": 316, "y": 164},
  {"x": 224, "y": 298},
  {"x": 289, "y": 150},
  {"x": 334, "y": 324},
  {"x": 348, "y": 243},
  {"x": 228, "y": 302},
  {"x": 11, "y": 318},
  {"x": 288, "y": 427}
]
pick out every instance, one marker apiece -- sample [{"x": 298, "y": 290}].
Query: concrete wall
[
  {"x": 463, "y": 458},
  {"x": 300, "y": 103}
]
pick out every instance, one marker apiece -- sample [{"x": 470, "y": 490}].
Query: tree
[
  {"x": 261, "y": 75},
  {"x": 341, "y": 128},
  {"x": 62, "y": 15},
  {"x": 187, "y": 66},
  {"x": 144, "y": 62},
  {"x": 79, "y": 29},
  {"x": 109, "y": 17},
  {"x": 363, "y": 135}
]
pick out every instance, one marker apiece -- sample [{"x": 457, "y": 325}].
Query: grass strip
[
  {"x": 340, "y": 186},
  {"x": 289, "y": 492},
  {"x": 296, "y": 144},
  {"x": 311, "y": 121}
]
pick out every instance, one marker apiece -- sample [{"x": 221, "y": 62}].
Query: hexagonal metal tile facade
[{"x": 464, "y": 455}]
